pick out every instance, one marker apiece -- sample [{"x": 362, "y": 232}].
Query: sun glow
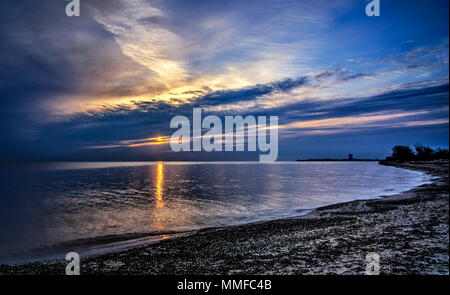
[
  {"x": 159, "y": 185},
  {"x": 159, "y": 211}
]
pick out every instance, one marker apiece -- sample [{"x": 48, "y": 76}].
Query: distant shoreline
[{"x": 338, "y": 160}]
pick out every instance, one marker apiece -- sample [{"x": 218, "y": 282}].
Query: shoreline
[{"x": 409, "y": 231}]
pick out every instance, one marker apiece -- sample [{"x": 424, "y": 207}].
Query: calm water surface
[{"x": 44, "y": 206}]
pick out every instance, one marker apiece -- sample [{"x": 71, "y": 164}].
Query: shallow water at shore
[{"x": 48, "y": 206}]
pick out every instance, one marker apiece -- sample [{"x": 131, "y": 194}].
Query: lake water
[{"x": 46, "y": 209}]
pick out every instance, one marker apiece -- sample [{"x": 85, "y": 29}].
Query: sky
[{"x": 104, "y": 86}]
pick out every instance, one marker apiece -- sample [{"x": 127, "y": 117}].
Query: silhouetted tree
[
  {"x": 423, "y": 153},
  {"x": 440, "y": 154},
  {"x": 402, "y": 153}
]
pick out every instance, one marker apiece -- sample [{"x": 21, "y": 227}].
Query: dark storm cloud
[
  {"x": 250, "y": 93},
  {"x": 434, "y": 99},
  {"x": 46, "y": 54}
]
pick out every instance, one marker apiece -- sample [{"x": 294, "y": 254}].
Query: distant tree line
[{"x": 403, "y": 153}]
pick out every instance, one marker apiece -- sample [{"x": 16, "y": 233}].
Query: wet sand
[{"x": 409, "y": 231}]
